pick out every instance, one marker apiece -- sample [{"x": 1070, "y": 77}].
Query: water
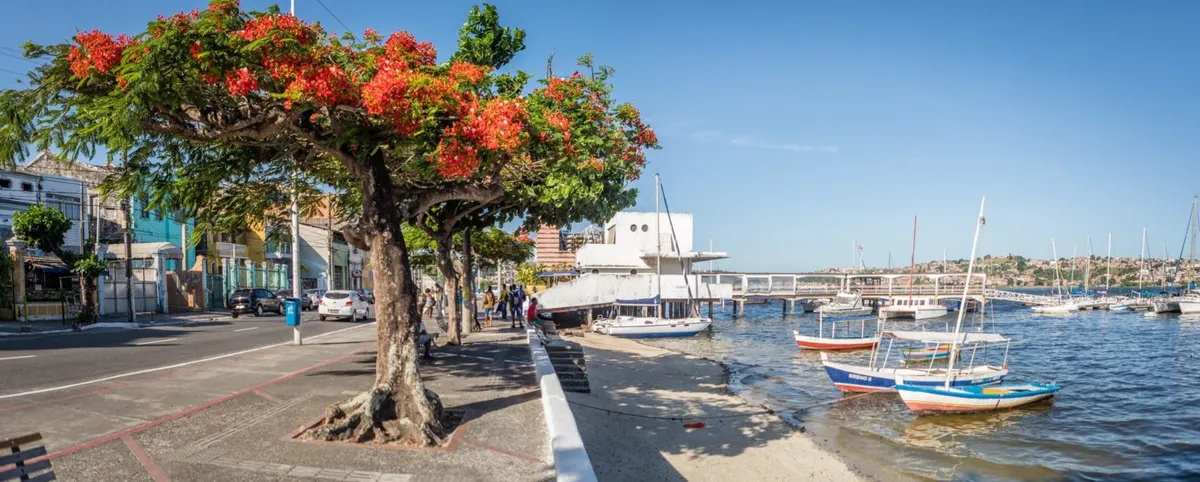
[{"x": 1129, "y": 408}]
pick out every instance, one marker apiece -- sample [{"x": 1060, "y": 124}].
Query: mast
[
  {"x": 1057, "y": 271},
  {"x": 853, "y": 254},
  {"x": 912, "y": 270},
  {"x": 1087, "y": 270},
  {"x": 1142, "y": 263},
  {"x": 658, "y": 241},
  {"x": 963, "y": 303},
  {"x": 1073, "y": 256},
  {"x": 1108, "y": 269}
]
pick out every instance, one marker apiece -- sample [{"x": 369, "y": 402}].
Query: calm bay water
[{"x": 1129, "y": 408}]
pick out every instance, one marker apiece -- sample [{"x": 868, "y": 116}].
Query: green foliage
[
  {"x": 482, "y": 41},
  {"x": 89, "y": 267},
  {"x": 527, "y": 273},
  {"x": 42, "y": 227},
  {"x": 6, "y": 268},
  {"x": 493, "y": 245}
]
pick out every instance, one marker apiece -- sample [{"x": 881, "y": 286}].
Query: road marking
[
  {"x": 156, "y": 474},
  {"x": 168, "y": 367},
  {"x": 246, "y": 329},
  {"x": 17, "y": 357},
  {"x": 155, "y": 341}
]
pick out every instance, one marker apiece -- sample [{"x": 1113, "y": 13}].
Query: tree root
[{"x": 372, "y": 417}]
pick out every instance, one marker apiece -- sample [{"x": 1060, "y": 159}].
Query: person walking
[
  {"x": 502, "y": 303},
  {"x": 514, "y": 303},
  {"x": 440, "y": 300},
  {"x": 489, "y": 304}
]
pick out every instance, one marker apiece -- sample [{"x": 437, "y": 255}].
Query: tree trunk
[
  {"x": 445, "y": 264},
  {"x": 469, "y": 312},
  {"x": 397, "y": 408}
]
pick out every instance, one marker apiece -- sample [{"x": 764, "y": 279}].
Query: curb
[{"x": 571, "y": 461}]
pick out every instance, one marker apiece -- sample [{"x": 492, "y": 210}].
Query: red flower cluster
[
  {"x": 278, "y": 27},
  {"x": 467, "y": 72},
  {"x": 96, "y": 50},
  {"x": 592, "y": 163},
  {"x": 240, "y": 81},
  {"x": 403, "y": 46},
  {"x": 371, "y": 35},
  {"x": 499, "y": 125},
  {"x": 559, "y": 89},
  {"x": 456, "y": 158},
  {"x": 396, "y": 92},
  {"x": 220, "y": 6}
]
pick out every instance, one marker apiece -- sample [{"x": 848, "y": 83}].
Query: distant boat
[
  {"x": 915, "y": 307},
  {"x": 845, "y": 304},
  {"x": 876, "y": 377}
]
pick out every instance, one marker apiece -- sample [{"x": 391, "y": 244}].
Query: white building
[
  {"x": 625, "y": 265},
  {"x": 20, "y": 190}
]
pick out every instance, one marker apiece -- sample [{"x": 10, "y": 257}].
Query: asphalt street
[{"x": 44, "y": 362}]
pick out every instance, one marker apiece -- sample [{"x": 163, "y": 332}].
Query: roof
[
  {"x": 144, "y": 250},
  {"x": 941, "y": 337},
  {"x": 48, "y": 264}
]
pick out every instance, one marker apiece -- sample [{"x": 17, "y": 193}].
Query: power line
[
  {"x": 20, "y": 58},
  {"x": 335, "y": 17},
  {"x": 12, "y": 71}
]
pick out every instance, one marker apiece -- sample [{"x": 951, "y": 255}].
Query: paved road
[{"x": 32, "y": 363}]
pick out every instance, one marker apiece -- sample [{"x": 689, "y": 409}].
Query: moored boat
[
  {"x": 877, "y": 376},
  {"x": 915, "y": 307},
  {"x": 832, "y": 341},
  {"x": 924, "y": 400},
  {"x": 845, "y": 304}
]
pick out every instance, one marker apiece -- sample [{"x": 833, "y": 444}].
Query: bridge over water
[{"x": 793, "y": 287}]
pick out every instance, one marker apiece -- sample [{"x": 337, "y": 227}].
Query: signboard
[{"x": 231, "y": 250}]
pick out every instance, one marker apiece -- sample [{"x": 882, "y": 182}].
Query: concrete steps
[{"x": 568, "y": 361}]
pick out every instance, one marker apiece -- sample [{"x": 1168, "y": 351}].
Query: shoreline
[
  {"x": 819, "y": 433},
  {"x": 642, "y": 395}
]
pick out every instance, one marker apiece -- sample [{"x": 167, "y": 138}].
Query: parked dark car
[
  {"x": 306, "y": 302},
  {"x": 257, "y": 301},
  {"x": 315, "y": 296},
  {"x": 367, "y": 295}
]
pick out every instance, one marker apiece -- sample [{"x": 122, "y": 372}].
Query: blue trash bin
[{"x": 291, "y": 309}]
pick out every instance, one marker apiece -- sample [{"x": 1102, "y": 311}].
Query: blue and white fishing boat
[
  {"x": 952, "y": 397},
  {"x": 879, "y": 376}
]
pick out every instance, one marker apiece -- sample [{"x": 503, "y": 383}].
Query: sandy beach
[{"x": 633, "y": 422}]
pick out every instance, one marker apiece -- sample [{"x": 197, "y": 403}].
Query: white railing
[
  {"x": 1026, "y": 298},
  {"x": 799, "y": 285}
]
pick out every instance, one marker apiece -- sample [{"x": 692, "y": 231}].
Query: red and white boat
[{"x": 848, "y": 341}]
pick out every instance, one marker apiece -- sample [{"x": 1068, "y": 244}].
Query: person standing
[
  {"x": 514, "y": 303},
  {"x": 422, "y": 301},
  {"x": 440, "y": 299}
]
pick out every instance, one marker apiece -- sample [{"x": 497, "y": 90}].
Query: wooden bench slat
[
  {"x": 22, "y": 455},
  {"x": 18, "y": 441},
  {"x": 28, "y": 469},
  {"x": 46, "y": 477}
]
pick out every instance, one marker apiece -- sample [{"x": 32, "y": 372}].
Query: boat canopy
[
  {"x": 941, "y": 337},
  {"x": 655, "y": 301},
  {"x": 849, "y": 318}
]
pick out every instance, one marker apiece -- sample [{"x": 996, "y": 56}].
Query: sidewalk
[
  {"x": 641, "y": 398},
  {"x": 233, "y": 419},
  {"x": 44, "y": 327}
]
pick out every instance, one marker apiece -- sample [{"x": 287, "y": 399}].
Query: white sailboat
[
  {"x": 921, "y": 398},
  {"x": 1063, "y": 306},
  {"x": 915, "y": 307},
  {"x": 655, "y": 325}
]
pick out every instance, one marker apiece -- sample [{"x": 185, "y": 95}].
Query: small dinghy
[{"x": 831, "y": 341}]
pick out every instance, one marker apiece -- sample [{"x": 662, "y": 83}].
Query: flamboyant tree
[{"x": 222, "y": 113}]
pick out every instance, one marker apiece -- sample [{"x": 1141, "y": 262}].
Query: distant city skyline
[{"x": 790, "y": 129}]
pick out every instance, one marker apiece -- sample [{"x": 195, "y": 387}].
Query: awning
[
  {"x": 655, "y": 301},
  {"x": 558, "y": 274},
  {"x": 144, "y": 251},
  {"x": 47, "y": 264},
  {"x": 940, "y": 337}
]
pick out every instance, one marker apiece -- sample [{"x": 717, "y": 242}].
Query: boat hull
[
  {"x": 1056, "y": 309},
  {"x": 926, "y": 400},
  {"x": 825, "y": 310},
  {"x": 817, "y": 343},
  {"x": 1189, "y": 307},
  {"x": 657, "y": 330},
  {"x": 919, "y": 314},
  {"x": 854, "y": 378}
]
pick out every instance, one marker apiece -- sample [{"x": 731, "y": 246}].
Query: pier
[{"x": 804, "y": 287}]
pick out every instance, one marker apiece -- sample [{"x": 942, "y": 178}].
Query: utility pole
[
  {"x": 128, "y": 238},
  {"x": 96, "y": 212},
  {"x": 297, "y": 292},
  {"x": 83, "y": 224},
  {"x": 329, "y": 237}
]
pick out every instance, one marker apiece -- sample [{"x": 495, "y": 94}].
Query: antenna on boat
[{"x": 966, "y": 288}]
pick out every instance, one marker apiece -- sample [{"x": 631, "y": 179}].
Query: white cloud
[{"x": 751, "y": 141}]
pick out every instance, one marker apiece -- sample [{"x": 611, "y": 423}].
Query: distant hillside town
[{"x": 1016, "y": 271}]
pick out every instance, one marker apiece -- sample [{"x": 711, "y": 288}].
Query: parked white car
[{"x": 343, "y": 304}]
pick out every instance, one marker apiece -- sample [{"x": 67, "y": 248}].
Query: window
[
  {"x": 633, "y": 228},
  {"x": 645, "y": 228},
  {"x": 633, "y": 271},
  {"x": 27, "y": 186},
  {"x": 65, "y": 204},
  {"x": 6, "y": 183}
]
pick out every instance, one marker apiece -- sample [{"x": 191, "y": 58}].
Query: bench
[{"x": 15, "y": 466}]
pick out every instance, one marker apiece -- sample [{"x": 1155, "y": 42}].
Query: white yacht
[{"x": 915, "y": 307}]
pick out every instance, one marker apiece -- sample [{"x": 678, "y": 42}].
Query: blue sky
[{"x": 791, "y": 128}]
